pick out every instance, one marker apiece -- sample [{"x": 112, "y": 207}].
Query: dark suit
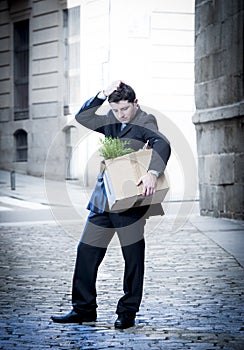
[{"x": 129, "y": 225}]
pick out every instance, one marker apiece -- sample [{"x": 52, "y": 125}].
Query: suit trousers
[{"x": 97, "y": 234}]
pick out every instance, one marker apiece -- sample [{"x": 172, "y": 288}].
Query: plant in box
[
  {"x": 113, "y": 148},
  {"x": 121, "y": 168}
]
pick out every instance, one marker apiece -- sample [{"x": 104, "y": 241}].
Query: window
[
  {"x": 21, "y": 70},
  {"x": 21, "y": 146},
  {"x": 71, "y": 37}
]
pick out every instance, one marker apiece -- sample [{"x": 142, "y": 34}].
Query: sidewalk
[
  {"x": 228, "y": 234},
  {"x": 194, "y": 281}
]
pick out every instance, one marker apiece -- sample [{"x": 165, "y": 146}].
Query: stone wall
[{"x": 219, "y": 106}]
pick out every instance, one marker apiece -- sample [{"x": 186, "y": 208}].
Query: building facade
[{"x": 35, "y": 95}]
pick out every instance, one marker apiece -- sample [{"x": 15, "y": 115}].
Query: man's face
[{"x": 124, "y": 111}]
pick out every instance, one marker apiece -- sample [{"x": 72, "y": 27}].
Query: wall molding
[{"x": 218, "y": 113}]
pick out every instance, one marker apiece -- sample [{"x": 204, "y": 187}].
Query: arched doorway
[{"x": 21, "y": 145}]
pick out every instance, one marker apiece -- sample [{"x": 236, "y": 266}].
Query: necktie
[{"x": 123, "y": 125}]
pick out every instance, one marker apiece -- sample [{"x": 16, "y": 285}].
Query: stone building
[
  {"x": 220, "y": 106},
  {"x": 35, "y": 92}
]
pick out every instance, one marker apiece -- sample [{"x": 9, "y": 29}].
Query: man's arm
[
  {"x": 159, "y": 144},
  {"x": 87, "y": 114},
  {"x": 160, "y": 155}
]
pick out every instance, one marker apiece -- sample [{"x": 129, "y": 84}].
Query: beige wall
[
  {"x": 45, "y": 84},
  {"x": 150, "y": 45}
]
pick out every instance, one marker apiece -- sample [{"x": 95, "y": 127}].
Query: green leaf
[{"x": 114, "y": 147}]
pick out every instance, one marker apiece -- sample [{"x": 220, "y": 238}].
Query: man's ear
[{"x": 136, "y": 100}]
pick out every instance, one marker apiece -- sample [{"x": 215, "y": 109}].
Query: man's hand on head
[{"x": 112, "y": 87}]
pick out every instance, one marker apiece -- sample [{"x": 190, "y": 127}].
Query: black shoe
[
  {"x": 124, "y": 321},
  {"x": 74, "y": 317}
]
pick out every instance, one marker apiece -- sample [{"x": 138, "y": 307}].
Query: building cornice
[{"x": 218, "y": 113}]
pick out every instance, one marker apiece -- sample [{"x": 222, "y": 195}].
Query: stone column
[{"x": 219, "y": 106}]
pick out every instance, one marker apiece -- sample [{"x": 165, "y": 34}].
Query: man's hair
[{"x": 123, "y": 93}]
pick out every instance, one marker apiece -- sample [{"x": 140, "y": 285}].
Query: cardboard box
[{"x": 120, "y": 177}]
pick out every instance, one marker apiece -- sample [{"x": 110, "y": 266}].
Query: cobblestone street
[
  {"x": 114, "y": 108},
  {"x": 193, "y": 294}
]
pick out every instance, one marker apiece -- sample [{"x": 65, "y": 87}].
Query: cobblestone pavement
[{"x": 193, "y": 295}]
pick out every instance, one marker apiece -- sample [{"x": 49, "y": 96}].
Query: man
[{"x": 126, "y": 121}]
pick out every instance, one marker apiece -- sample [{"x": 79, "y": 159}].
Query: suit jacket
[{"x": 143, "y": 128}]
